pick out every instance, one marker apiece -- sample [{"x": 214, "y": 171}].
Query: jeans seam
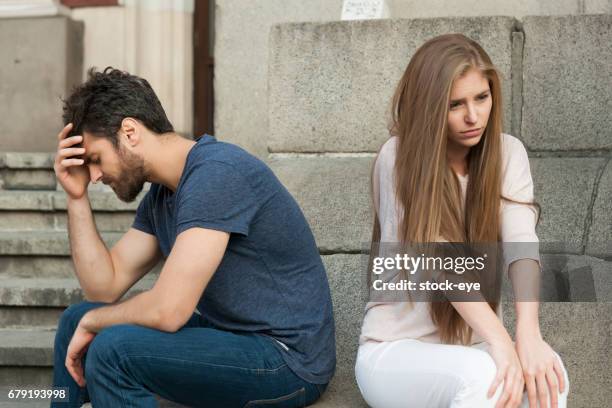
[
  {"x": 123, "y": 399},
  {"x": 301, "y": 391},
  {"x": 254, "y": 370}
]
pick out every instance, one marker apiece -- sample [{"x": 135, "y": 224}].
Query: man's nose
[{"x": 95, "y": 174}]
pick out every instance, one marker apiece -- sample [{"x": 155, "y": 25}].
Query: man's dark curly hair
[{"x": 100, "y": 104}]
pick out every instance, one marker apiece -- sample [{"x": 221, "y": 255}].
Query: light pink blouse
[{"x": 389, "y": 321}]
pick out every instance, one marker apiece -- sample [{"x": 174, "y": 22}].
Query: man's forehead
[{"x": 94, "y": 144}]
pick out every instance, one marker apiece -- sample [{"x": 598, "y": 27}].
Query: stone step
[
  {"x": 51, "y": 292},
  {"x": 30, "y": 210},
  {"x": 26, "y": 355},
  {"x": 58, "y": 221},
  {"x": 39, "y": 302},
  {"x": 27, "y": 171},
  {"x": 36, "y": 266},
  {"x": 29, "y": 316},
  {"x": 564, "y": 325},
  {"x": 41, "y": 267},
  {"x": 48, "y": 201},
  {"x": 23, "y": 376},
  {"x": 46, "y": 210},
  {"x": 32, "y": 243},
  {"x": 42, "y": 254},
  {"x": 334, "y": 194},
  {"x": 33, "y": 171},
  {"x": 26, "y": 347}
]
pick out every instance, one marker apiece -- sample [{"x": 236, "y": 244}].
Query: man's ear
[{"x": 131, "y": 131}]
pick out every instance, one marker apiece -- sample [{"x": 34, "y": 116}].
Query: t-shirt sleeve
[
  {"x": 518, "y": 219},
  {"x": 144, "y": 214},
  {"x": 215, "y": 195}
]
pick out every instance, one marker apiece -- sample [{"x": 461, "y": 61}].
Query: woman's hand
[
  {"x": 72, "y": 175},
  {"x": 541, "y": 369},
  {"x": 510, "y": 372}
]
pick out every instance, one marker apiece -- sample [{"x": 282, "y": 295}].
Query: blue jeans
[{"x": 127, "y": 365}]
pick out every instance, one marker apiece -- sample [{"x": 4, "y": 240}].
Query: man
[{"x": 237, "y": 249}]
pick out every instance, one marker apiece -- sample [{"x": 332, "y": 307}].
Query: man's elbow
[
  {"x": 100, "y": 296},
  {"x": 171, "y": 318}
]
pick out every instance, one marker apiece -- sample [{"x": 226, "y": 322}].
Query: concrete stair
[{"x": 37, "y": 280}]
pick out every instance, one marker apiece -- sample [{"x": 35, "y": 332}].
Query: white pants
[{"x": 412, "y": 373}]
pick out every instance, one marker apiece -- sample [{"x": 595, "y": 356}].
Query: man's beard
[{"x": 131, "y": 177}]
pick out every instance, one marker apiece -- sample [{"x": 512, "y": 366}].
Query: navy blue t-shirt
[{"x": 271, "y": 280}]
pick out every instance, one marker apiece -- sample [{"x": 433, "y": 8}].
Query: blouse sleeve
[
  {"x": 518, "y": 220},
  {"x": 385, "y": 198}
]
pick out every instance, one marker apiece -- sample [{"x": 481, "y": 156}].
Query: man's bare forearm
[
  {"x": 144, "y": 309},
  {"x": 92, "y": 260}
]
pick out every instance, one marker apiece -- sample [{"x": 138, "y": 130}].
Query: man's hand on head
[{"x": 69, "y": 165}]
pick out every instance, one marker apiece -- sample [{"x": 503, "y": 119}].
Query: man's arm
[
  {"x": 103, "y": 275},
  {"x": 106, "y": 275},
  {"x": 167, "y": 306}
]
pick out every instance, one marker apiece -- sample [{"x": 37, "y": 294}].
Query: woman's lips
[{"x": 471, "y": 133}]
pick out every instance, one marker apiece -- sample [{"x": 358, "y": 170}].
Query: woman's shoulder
[
  {"x": 516, "y": 172},
  {"x": 390, "y": 146},
  {"x": 386, "y": 155},
  {"x": 513, "y": 152},
  {"x": 512, "y": 147}
]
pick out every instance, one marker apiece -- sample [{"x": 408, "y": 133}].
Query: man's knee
[
  {"x": 108, "y": 347},
  {"x": 71, "y": 317}
]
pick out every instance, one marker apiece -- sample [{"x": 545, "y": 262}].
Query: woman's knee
[
  {"x": 566, "y": 383},
  {"x": 476, "y": 379},
  {"x": 479, "y": 368}
]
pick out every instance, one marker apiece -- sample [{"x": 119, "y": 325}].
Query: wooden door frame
[{"x": 203, "y": 69}]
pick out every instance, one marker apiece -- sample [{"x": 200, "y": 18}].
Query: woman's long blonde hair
[{"x": 427, "y": 188}]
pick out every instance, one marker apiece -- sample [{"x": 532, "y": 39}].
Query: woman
[{"x": 448, "y": 174}]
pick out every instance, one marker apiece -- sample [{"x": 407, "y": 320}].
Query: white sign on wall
[{"x": 364, "y": 9}]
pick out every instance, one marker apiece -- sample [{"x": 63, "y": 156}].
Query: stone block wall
[
  {"x": 242, "y": 47},
  {"x": 329, "y": 89}
]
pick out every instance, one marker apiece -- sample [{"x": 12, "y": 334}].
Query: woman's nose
[{"x": 471, "y": 116}]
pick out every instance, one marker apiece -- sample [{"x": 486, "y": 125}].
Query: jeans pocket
[{"x": 293, "y": 400}]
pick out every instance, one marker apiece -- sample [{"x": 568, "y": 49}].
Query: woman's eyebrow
[{"x": 463, "y": 99}]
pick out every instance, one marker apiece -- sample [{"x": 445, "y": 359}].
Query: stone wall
[
  {"x": 328, "y": 98},
  {"x": 242, "y": 47}
]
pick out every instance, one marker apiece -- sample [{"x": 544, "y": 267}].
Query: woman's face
[{"x": 470, "y": 106}]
